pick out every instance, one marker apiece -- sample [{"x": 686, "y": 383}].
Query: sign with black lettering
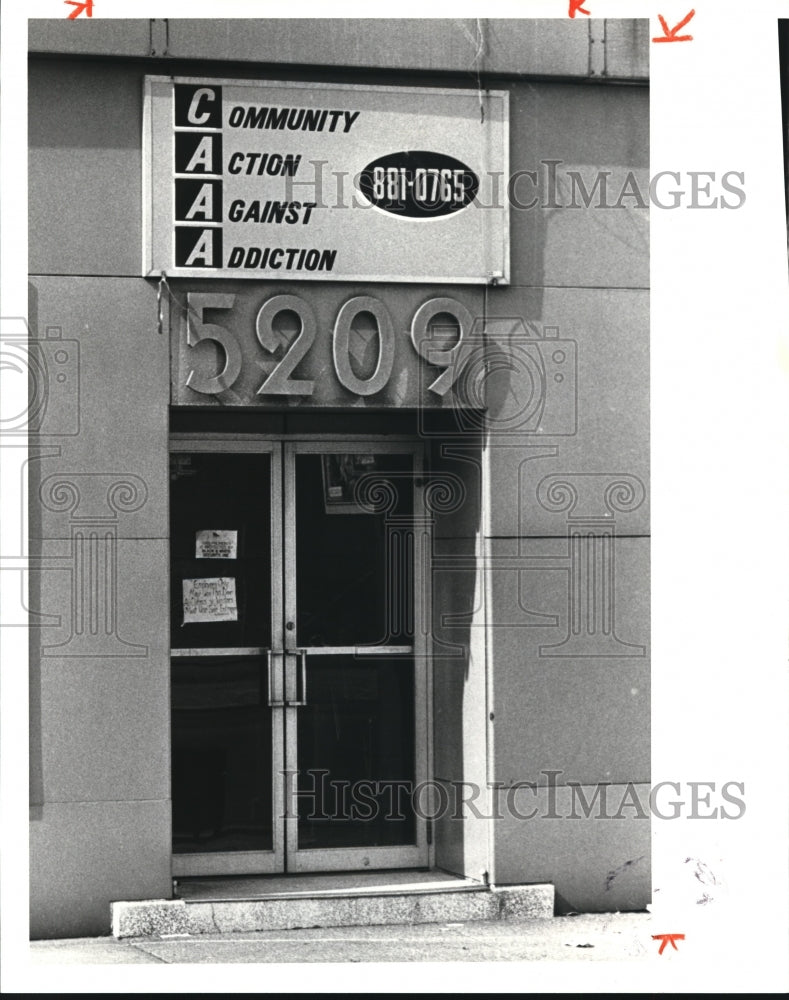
[
  {"x": 253, "y": 179},
  {"x": 216, "y": 544},
  {"x": 210, "y": 599}
]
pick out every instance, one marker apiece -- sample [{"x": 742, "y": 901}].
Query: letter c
[{"x": 192, "y": 115}]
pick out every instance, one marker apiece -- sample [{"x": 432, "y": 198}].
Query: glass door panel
[
  {"x": 220, "y": 529},
  {"x": 225, "y": 621},
  {"x": 349, "y": 588},
  {"x": 355, "y": 663},
  {"x": 222, "y": 760},
  {"x": 356, "y": 753}
]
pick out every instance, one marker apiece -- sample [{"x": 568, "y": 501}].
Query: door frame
[{"x": 285, "y": 857}]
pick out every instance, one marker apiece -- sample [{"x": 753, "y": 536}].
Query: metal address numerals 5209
[{"x": 280, "y": 381}]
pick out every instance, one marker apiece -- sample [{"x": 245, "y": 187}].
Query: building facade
[{"x": 338, "y": 479}]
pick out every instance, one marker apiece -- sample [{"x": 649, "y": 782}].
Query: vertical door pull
[
  {"x": 302, "y": 701},
  {"x": 271, "y": 701}
]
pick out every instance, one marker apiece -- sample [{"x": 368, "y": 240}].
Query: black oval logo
[{"x": 418, "y": 184}]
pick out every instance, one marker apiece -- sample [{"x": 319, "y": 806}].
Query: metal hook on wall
[{"x": 159, "y": 295}]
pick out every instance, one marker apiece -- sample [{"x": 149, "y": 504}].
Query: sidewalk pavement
[{"x": 585, "y": 937}]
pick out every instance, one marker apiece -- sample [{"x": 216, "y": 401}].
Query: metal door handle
[
  {"x": 271, "y": 701},
  {"x": 301, "y": 702}
]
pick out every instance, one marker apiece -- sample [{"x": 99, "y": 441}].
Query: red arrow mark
[
  {"x": 671, "y": 35},
  {"x": 666, "y": 938},
  {"x": 575, "y": 5},
  {"x": 87, "y": 7}
]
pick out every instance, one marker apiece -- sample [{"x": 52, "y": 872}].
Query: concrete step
[{"x": 229, "y": 907}]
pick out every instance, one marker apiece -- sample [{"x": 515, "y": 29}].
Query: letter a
[
  {"x": 203, "y": 156},
  {"x": 203, "y": 205},
  {"x": 203, "y": 249}
]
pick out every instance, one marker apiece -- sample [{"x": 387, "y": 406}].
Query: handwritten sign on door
[{"x": 210, "y": 599}]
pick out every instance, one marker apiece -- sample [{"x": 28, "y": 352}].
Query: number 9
[{"x": 450, "y": 358}]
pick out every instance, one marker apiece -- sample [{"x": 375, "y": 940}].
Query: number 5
[{"x": 197, "y": 331}]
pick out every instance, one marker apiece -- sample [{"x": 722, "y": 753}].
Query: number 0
[{"x": 341, "y": 345}]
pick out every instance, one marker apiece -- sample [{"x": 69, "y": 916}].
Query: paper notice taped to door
[
  {"x": 216, "y": 544},
  {"x": 210, "y": 599}
]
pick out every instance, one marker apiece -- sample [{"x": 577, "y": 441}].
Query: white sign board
[
  {"x": 215, "y": 544},
  {"x": 210, "y": 599},
  {"x": 253, "y": 179}
]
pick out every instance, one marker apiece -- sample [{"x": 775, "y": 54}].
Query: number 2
[{"x": 279, "y": 382}]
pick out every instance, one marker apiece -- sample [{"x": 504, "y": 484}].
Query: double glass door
[{"x": 299, "y": 677}]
